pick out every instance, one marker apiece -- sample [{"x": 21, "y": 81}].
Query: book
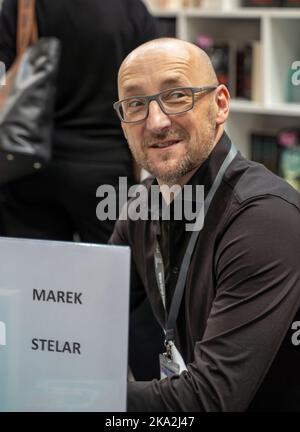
[
  {"x": 191, "y": 3},
  {"x": 166, "y": 27},
  {"x": 165, "y": 5},
  {"x": 290, "y": 166},
  {"x": 216, "y": 4},
  {"x": 261, "y": 3},
  {"x": 291, "y": 3},
  {"x": 256, "y": 72},
  {"x": 249, "y": 72},
  {"x": 264, "y": 149},
  {"x": 244, "y": 72},
  {"x": 222, "y": 55},
  {"x": 289, "y": 157}
]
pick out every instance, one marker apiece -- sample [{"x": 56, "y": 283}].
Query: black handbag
[{"x": 27, "y": 100}]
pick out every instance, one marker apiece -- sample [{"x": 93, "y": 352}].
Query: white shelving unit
[{"x": 278, "y": 29}]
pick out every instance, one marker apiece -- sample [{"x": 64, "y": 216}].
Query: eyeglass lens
[{"x": 172, "y": 101}]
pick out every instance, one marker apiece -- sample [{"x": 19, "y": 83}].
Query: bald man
[{"x": 227, "y": 293}]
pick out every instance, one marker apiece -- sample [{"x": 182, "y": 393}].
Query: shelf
[
  {"x": 277, "y": 30},
  {"x": 285, "y": 109},
  {"x": 217, "y": 26},
  {"x": 288, "y": 13}
]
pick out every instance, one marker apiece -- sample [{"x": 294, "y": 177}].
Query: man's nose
[{"x": 157, "y": 121}]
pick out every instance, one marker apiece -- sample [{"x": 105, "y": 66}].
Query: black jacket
[{"x": 241, "y": 297}]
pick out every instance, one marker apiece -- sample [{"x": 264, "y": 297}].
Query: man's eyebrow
[
  {"x": 132, "y": 90},
  {"x": 136, "y": 90},
  {"x": 173, "y": 82}
]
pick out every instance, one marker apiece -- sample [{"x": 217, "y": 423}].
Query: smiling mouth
[{"x": 164, "y": 144}]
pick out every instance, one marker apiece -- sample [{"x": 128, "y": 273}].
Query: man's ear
[{"x": 222, "y": 99}]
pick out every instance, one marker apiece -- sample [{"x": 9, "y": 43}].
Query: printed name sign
[{"x": 63, "y": 326}]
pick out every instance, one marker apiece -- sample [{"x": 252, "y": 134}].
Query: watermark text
[
  {"x": 153, "y": 203},
  {"x": 2, "y": 333},
  {"x": 296, "y": 75},
  {"x": 2, "y": 74}
]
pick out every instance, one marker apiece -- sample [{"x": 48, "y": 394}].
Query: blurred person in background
[{"x": 89, "y": 148}]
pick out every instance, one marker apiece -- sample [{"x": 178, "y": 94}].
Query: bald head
[
  {"x": 183, "y": 115},
  {"x": 154, "y": 52}
]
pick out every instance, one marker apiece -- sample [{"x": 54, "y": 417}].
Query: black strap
[{"x": 179, "y": 289}]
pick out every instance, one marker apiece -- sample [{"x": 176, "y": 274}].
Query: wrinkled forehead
[{"x": 153, "y": 70}]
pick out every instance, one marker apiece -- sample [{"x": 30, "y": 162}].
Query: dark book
[
  {"x": 262, "y": 3},
  {"x": 247, "y": 79},
  {"x": 222, "y": 55},
  {"x": 166, "y": 27},
  {"x": 255, "y": 147},
  {"x": 239, "y": 73},
  {"x": 264, "y": 149},
  {"x": 244, "y": 72},
  {"x": 219, "y": 55},
  {"x": 291, "y": 3}
]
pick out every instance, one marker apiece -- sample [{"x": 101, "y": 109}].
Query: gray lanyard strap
[
  {"x": 179, "y": 289},
  {"x": 160, "y": 273}
]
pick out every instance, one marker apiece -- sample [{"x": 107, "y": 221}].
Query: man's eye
[
  {"x": 175, "y": 95},
  {"x": 135, "y": 103}
]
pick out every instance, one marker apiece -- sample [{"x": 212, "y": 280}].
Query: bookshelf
[{"x": 277, "y": 30}]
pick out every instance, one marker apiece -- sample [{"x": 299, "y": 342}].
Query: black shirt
[
  {"x": 242, "y": 294},
  {"x": 96, "y": 36}
]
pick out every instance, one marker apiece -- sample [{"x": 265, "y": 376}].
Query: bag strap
[
  {"x": 26, "y": 35},
  {"x": 26, "y": 25}
]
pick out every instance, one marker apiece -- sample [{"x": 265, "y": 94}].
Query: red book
[{"x": 291, "y": 3}]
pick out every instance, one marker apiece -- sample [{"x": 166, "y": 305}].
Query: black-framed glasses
[{"x": 173, "y": 101}]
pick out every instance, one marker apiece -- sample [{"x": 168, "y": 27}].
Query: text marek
[{"x": 57, "y": 296}]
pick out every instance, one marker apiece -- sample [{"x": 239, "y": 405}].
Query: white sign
[{"x": 66, "y": 308}]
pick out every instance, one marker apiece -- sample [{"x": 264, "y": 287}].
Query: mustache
[{"x": 167, "y": 136}]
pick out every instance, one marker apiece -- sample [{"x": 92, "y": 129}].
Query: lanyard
[
  {"x": 160, "y": 274},
  {"x": 158, "y": 261}
]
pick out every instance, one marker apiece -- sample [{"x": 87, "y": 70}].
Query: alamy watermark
[
  {"x": 296, "y": 75},
  {"x": 2, "y": 74},
  {"x": 2, "y": 333},
  {"x": 139, "y": 202},
  {"x": 296, "y": 335}
]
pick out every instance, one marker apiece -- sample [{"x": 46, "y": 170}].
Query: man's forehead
[
  {"x": 137, "y": 84},
  {"x": 163, "y": 71},
  {"x": 147, "y": 56},
  {"x": 162, "y": 48}
]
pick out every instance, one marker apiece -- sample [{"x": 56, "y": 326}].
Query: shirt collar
[
  {"x": 204, "y": 176},
  {"x": 207, "y": 172}
]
